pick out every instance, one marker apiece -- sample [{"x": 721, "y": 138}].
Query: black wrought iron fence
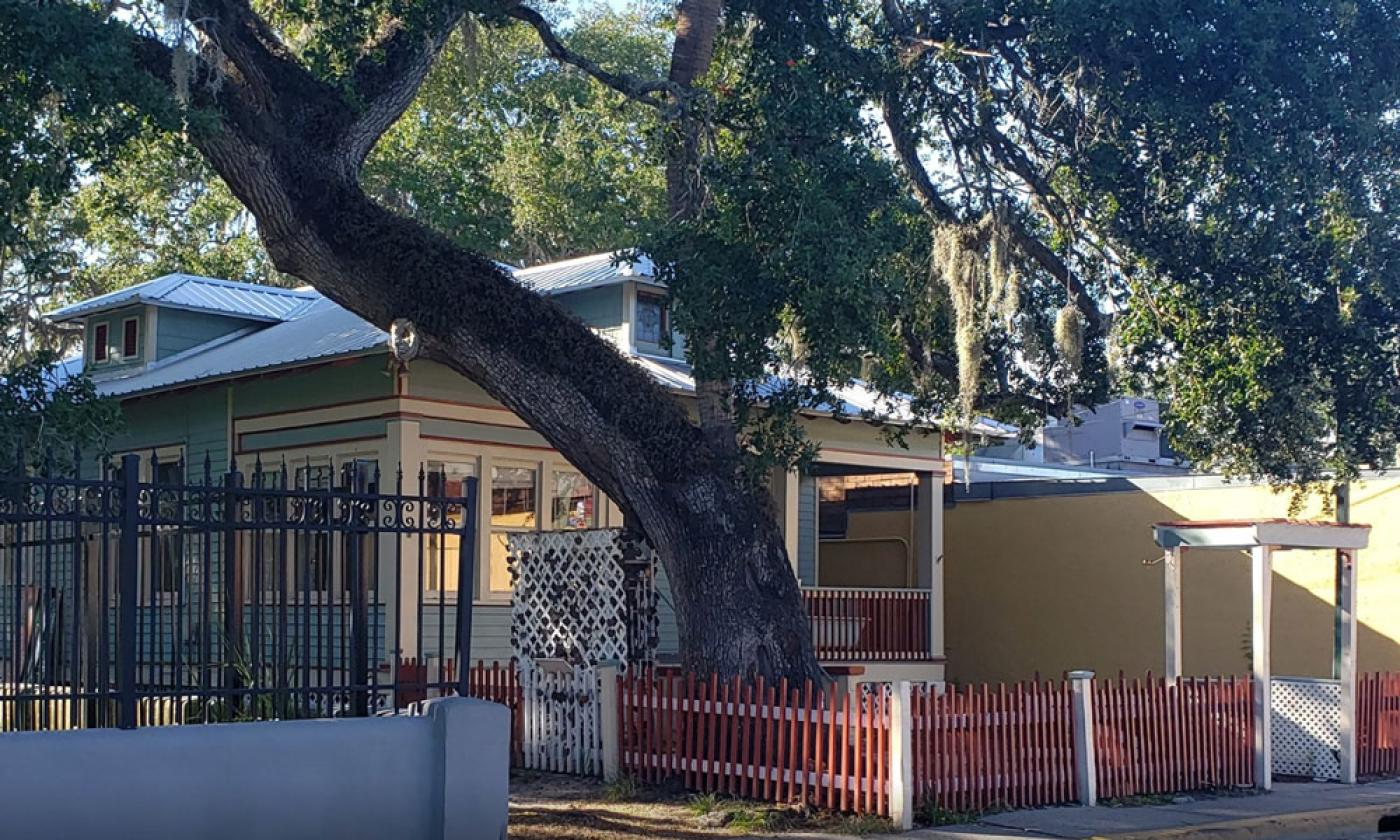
[{"x": 140, "y": 596}]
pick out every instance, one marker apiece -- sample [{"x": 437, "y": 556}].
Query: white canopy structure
[{"x": 1262, "y": 538}]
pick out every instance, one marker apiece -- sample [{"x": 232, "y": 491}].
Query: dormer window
[
  {"x": 651, "y": 319},
  {"x": 99, "y": 343},
  {"x": 131, "y": 336}
]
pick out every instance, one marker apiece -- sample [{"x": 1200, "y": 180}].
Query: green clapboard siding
[
  {"x": 490, "y": 631},
  {"x": 178, "y": 330},
  {"x": 314, "y": 387},
  {"x": 114, "y": 320},
  {"x": 196, "y": 420},
  {"x": 807, "y": 531},
  {"x": 601, "y": 308}
]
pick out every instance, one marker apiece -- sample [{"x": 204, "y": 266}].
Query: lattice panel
[
  {"x": 583, "y": 597},
  {"x": 1307, "y": 717}
]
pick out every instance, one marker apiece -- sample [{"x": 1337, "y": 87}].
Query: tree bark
[{"x": 293, "y": 161}]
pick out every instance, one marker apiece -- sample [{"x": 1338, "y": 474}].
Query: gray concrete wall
[{"x": 442, "y": 775}]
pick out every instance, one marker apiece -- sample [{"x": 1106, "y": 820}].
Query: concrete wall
[
  {"x": 1056, "y": 582},
  {"x": 444, "y": 775}
]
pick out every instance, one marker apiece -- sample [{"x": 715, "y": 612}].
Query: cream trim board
[
  {"x": 152, "y": 318},
  {"x": 428, "y": 409}
]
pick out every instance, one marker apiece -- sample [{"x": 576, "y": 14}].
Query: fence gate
[
  {"x": 581, "y": 598},
  {"x": 146, "y": 592},
  {"x": 1307, "y": 728}
]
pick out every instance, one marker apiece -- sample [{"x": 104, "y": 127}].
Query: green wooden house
[{"x": 250, "y": 374}]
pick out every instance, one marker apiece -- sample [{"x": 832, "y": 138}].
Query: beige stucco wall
[{"x": 1060, "y": 582}]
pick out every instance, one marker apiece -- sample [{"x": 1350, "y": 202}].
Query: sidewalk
[{"x": 1307, "y": 810}]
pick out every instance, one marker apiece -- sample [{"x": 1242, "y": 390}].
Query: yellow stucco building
[{"x": 1053, "y": 576}]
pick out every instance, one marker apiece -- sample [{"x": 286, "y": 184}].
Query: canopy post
[
  {"x": 1261, "y": 577},
  {"x": 1171, "y": 570},
  {"x": 1346, "y": 645}
]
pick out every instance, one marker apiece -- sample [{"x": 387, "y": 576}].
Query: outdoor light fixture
[{"x": 404, "y": 342}]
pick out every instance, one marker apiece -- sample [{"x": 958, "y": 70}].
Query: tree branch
[
  {"x": 652, "y": 92},
  {"x": 906, "y": 149}
]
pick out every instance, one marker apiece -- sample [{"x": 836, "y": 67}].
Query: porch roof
[{"x": 1247, "y": 533}]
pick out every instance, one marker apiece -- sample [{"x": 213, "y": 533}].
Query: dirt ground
[{"x": 545, "y": 806}]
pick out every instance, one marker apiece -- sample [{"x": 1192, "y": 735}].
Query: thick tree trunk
[{"x": 737, "y": 601}]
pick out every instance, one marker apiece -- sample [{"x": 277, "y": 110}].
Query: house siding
[
  {"x": 114, "y": 321},
  {"x": 335, "y": 383},
  {"x": 598, "y": 308},
  {"x": 178, "y": 330},
  {"x": 807, "y": 530}
]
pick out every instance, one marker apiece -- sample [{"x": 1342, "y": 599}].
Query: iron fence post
[
  {"x": 466, "y": 584},
  {"x": 126, "y": 583},
  {"x": 233, "y": 604},
  {"x": 359, "y": 637}
]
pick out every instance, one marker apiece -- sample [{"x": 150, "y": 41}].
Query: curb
[{"x": 1353, "y": 820}]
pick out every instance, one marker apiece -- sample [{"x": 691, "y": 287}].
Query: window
[
  {"x": 99, "y": 343},
  {"x": 130, "y": 336},
  {"x": 513, "y": 508},
  {"x": 651, "y": 319},
  {"x": 573, "y": 504},
  {"x": 443, "y": 551}
]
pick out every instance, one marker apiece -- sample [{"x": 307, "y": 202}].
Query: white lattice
[
  {"x": 1307, "y": 717},
  {"x": 581, "y": 598}
]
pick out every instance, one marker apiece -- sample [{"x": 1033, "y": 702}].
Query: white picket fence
[{"x": 561, "y": 724}]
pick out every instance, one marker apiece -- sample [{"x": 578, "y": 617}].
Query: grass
[
  {"x": 624, "y": 789},
  {"x": 931, "y": 814},
  {"x": 742, "y": 816}
]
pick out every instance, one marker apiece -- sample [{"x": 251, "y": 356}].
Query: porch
[{"x": 868, "y": 554}]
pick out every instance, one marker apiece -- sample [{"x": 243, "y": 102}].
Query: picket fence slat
[
  {"x": 785, "y": 743},
  {"x": 1158, "y": 736},
  {"x": 1378, "y": 724}
]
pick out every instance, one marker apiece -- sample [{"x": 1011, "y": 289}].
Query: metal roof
[
  {"x": 590, "y": 272},
  {"x": 199, "y": 294},
  {"x": 321, "y": 330}
]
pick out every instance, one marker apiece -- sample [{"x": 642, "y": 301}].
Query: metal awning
[{"x": 1281, "y": 534}]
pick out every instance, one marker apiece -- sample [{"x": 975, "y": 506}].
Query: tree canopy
[{"x": 1002, "y": 207}]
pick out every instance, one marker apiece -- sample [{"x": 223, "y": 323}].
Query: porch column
[
  {"x": 404, "y": 450},
  {"x": 1261, "y": 578},
  {"x": 1171, "y": 591},
  {"x": 929, "y": 531},
  {"x": 1346, "y": 645},
  {"x": 783, "y": 485}
]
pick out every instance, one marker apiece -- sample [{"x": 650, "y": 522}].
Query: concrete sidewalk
[{"x": 1309, "y": 810}]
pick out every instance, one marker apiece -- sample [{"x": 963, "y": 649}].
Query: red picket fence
[
  {"x": 779, "y": 743},
  {"x": 1155, "y": 736},
  {"x": 982, "y": 748},
  {"x": 1378, "y": 724},
  {"x": 863, "y": 624},
  {"x": 495, "y": 682}
]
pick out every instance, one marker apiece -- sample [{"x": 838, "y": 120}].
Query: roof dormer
[{"x": 161, "y": 318}]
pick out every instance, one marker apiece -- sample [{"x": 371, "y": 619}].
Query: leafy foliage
[
  {"x": 47, "y": 413},
  {"x": 1220, "y": 178},
  {"x": 522, "y": 159}
]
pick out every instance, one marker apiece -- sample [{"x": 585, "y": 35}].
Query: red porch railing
[{"x": 866, "y": 624}]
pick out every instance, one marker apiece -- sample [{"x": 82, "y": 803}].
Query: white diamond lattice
[
  {"x": 1307, "y": 716},
  {"x": 581, "y": 598}
]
